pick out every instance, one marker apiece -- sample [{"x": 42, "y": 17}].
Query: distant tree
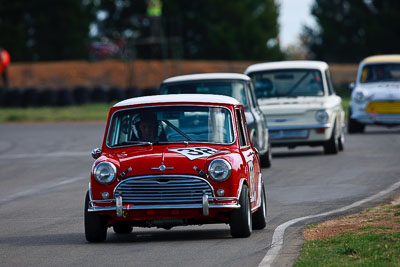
[
  {"x": 350, "y": 30},
  {"x": 206, "y": 29},
  {"x": 218, "y": 29},
  {"x": 45, "y": 29}
]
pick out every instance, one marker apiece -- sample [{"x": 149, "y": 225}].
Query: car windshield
[
  {"x": 380, "y": 73},
  {"x": 288, "y": 83},
  {"x": 170, "y": 124},
  {"x": 234, "y": 89}
]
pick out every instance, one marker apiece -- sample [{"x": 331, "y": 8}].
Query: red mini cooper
[{"x": 173, "y": 160}]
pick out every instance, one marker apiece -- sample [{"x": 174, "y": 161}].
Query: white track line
[
  {"x": 44, "y": 155},
  {"x": 42, "y": 187},
  {"x": 277, "y": 238}
]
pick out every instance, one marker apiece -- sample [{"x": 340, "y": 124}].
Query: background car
[
  {"x": 375, "y": 98},
  {"x": 175, "y": 160},
  {"x": 235, "y": 85},
  {"x": 300, "y": 104}
]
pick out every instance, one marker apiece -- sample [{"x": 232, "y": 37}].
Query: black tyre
[
  {"x": 266, "y": 159},
  {"x": 116, "y": 94},
  {"x": 332, "y": 145},
  {"x": 13, "y": 97},
  {"x": 48, "y": 97},
  {"x": 260, "y": 216},
  {"x": 65, "y": 97},
  {"x": 99, "y": 95},
  {"x": 240, "y": 221},
  {"x": 341, "y": 141},
  {"x": 122, "y": 228},
  {"x": 30, "y": 97},
  {"x": 354, "y": 126},
  {"x": 81, "y": 95},
  {"x": 95, "y": 225}
]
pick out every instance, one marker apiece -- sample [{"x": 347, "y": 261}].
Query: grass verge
[
  {"x": 90, "y": 112},
  {"x": 369, "y": 238}
]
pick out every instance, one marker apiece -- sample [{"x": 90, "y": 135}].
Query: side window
[
  {"x": 331, "y": 89},
  {"x": 241, "y": 129},
  {"x": 251, "y": 94}
]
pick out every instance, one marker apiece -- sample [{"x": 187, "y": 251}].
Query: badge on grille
[{"x": 162, "y": 167}]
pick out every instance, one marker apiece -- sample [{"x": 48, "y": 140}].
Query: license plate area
[{"x": 288, "y": 134}]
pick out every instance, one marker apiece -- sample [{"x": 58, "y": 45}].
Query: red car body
[{"x": 171, "y": 183}]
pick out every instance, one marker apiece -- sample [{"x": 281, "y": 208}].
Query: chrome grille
[{"x": 163, "y": 189}]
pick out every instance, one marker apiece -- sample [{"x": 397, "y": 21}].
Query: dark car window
[
  {"x": 380, "y": 72},
  {"x": 252, "y": 95},
  {"x": 235, "y": 89},
  {"x": 288, "y": 83},
  {"x": 242, "y": 129},
  {"x": 199, "y": 124},
  {"x": 331, "y": 89}
]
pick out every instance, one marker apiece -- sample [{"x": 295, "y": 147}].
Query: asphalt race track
[{"x": 44, "y": 170}]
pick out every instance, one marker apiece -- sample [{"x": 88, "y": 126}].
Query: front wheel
[
  {"x": 95, "y": 225},
  {"x": 341, "y": 141},
  {"x": 332, "y": 145},
  {"x": 240, "y": 222},
  {"x": 266, "y": 159},
  {"x": 354, "y": 126},
  {"x": 260, "y": 216}
]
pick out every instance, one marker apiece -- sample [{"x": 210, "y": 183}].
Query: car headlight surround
[
  {"x": 359, "y": 97},
  {"x": 219, "y": 170},
  {"x": 105, "y": 172},
  {"x": 322, "y": 116}
]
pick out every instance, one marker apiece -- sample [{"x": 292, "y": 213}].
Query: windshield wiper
[
  {"x": 297, "y": 83},
  {"x": 135, "y": 143},
  {"x": 177, "y": 129}
]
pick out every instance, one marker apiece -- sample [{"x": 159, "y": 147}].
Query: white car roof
[
  {"x": 294, "y": 64},
  {"x": 207, "y": 76},
  {"x": 181, "y": 98}
]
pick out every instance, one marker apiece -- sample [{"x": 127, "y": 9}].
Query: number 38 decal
[{"x": 193, "y": 153}]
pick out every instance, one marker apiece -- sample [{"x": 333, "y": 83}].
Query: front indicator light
[{"x": 220, "y": 192}]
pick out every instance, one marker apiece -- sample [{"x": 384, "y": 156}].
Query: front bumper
[
  {"x": 299, "y": 133},
  {"x": 374, "y": 118},
  {"x": 119, "y": 207}
]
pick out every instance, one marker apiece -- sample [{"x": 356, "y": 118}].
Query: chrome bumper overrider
[{"x": 205, "y": 205}]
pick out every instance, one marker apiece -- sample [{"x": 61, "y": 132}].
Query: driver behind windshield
[{"x": 147, "y": 128}]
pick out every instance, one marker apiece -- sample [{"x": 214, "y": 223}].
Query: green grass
[
  {"x": 345, "y": 105},
  {"x": 90, "y": 112},
  {"x": 350, "y": 249}
]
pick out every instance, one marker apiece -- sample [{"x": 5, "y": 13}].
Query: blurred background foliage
[
  {"x": 44, "y": 30},
  {"x": 350, "y": 30}
]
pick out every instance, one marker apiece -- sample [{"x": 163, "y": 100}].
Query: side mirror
[
  {"x": 96, "y": 153},
  {"x": 352, "y": 86}
]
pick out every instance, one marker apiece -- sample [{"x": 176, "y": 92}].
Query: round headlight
[
  {"x": 322, "y": 116},
  {"x": 105, "y": 172},
  {"x": 219, "y": 170},
  {"x": 359, "y": 97}
]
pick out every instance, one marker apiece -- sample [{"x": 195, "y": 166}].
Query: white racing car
[
  {"x": 376, "y": 93},
  {"x": 299, "y": 103}
]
